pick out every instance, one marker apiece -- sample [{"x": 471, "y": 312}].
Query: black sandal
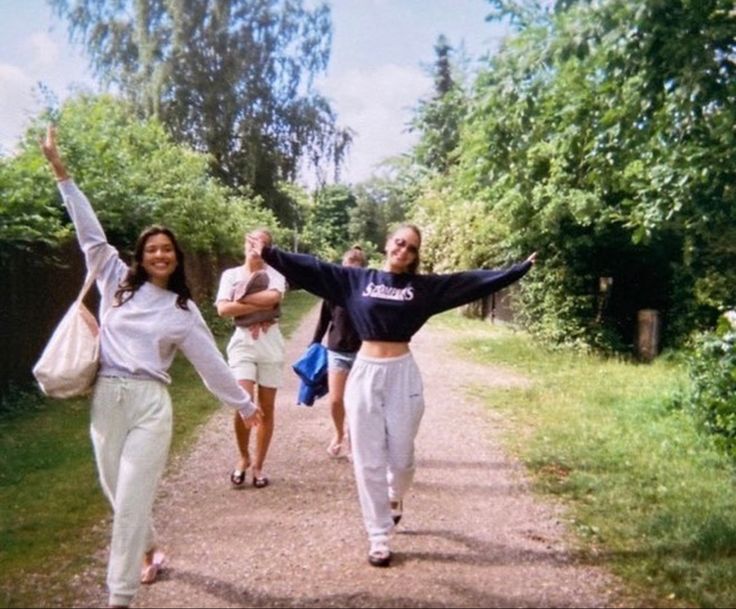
[
  {"x": 260, "y": 482},
  {"x": 237, "y": 477}
]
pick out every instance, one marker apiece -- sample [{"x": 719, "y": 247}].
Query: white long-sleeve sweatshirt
[{"x": 140, "y": 338}]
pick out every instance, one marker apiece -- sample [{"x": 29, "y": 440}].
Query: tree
[
  {"x": 233, "y": 78},
  {"x": 438, "y": 119},
  {"x": 136, "y": 176},
  {"x": 382, "y": 203},
  {"x": 326, "y": 230},
  {"x": 602, "y": 133}
]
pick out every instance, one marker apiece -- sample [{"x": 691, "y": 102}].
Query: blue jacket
[{"x": 311, "y": 368}]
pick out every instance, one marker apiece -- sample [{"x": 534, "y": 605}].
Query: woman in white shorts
[{"x": 256, "y": 350}]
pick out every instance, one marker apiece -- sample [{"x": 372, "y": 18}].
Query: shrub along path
[{"x": 472, "y": 534}]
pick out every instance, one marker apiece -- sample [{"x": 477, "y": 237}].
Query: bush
[
  {"x": 133, "y": 173},
  {"x": 713, "y": 373}
]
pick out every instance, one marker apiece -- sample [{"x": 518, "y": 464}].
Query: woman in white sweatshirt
[{"x": 146, "y": 316}]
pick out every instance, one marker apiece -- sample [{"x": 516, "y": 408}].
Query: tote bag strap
[{"x": 92, "y": 272}]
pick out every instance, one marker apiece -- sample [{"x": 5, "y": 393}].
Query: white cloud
[
  {"x": 16, "y": 104},
  {"x": 44, "y": 52},
  {"x": 38, "y": 57},
  {"x": 376, "y": 103}
]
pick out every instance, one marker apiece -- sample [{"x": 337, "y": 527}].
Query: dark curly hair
[{"x": 137, "y": 275}]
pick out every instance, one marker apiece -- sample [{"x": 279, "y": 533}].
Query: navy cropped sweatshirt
[{"x": 385, "y": 306}]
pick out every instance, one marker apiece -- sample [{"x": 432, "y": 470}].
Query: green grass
[
  {"x": 52, "y": 511},
  {"x": 649, "y": 497}
]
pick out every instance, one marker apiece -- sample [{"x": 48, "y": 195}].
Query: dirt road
[{"x": 472, "y": 534}]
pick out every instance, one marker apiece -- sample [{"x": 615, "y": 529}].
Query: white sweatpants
[
  {"x": 131, "y": 433},
  {"x": 384, "y": 402}
]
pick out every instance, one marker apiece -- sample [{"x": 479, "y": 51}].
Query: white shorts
[{"x": 260, "y": 360}]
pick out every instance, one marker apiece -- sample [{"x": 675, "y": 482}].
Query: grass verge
[
  {"x": 52, "y": 512},
  {"x": 647, "y": 495}
]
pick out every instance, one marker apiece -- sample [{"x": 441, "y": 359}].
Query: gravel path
[{"x": 472, "y": 533}]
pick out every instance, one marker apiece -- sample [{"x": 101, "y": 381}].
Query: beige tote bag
[{"x": 68, "y": 365}]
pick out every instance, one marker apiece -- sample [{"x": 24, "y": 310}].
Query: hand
[
  {"x": 48, "y": 145},
  {"x": 255, "y": 245},
  {"x": 51, "y": 152},
  {"x": 532, "y": 258},
  {"x": 253, "y": 420}
]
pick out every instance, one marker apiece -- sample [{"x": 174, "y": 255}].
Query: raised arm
[
  {"x": 456, "y": 289},
  {"x": 51, "y": 152},
  {"x": 90, "y": 234}
]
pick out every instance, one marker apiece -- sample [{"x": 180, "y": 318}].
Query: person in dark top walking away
[
  {"x": 384, "y": 395},
  {"x": 343, "y": 343}
]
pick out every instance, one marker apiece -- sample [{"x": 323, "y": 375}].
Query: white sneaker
[{"x": 380, "y": 554}]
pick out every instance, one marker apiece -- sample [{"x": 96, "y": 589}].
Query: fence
[
  {"x": 36, "y": 293},
  {"x": 498, "y": 306}
]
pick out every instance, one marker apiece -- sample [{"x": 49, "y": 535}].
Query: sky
[{"x": 377, "y": 71}]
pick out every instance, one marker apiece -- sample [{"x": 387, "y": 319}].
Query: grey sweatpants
[
  {"x": 131, "y": 434},
  {"x": 384, "y": 402}
]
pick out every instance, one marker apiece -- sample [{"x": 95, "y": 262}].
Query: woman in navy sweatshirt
[{"x": 384, "y": 397}]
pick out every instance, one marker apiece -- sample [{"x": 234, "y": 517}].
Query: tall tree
[
  {"x": 603, "y": 134},
  {"x": 438, "y": 118},
  {"x": 326, "y": 229},
  {"x": 233, "y": 78}
]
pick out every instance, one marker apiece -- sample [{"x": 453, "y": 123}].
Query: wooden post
[{"x": 648, "y": 334}]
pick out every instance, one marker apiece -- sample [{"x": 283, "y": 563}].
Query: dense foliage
[
  {"x": 133, "y": 173},
  {"x": 713, "y": 371},
  {"x": 327, "y": 216},
  {"x": 602, "y": 134}
]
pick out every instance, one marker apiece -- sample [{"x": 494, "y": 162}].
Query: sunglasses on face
[{"x": 410, "y": 247}]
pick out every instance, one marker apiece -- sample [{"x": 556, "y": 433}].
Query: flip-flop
[
  {"x": 149, "y": 573},
  {"x": 260, "y": 481},
  {"x": 237, "y": 477}
]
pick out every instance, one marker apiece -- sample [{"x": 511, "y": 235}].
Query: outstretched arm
[
  {"x": 456, "y": 289},
  {"x": 200, "y": 349},
  {"x": 326, "y": 280}
]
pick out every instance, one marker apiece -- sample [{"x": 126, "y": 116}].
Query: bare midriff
[{"x": 382, "y": 349}]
